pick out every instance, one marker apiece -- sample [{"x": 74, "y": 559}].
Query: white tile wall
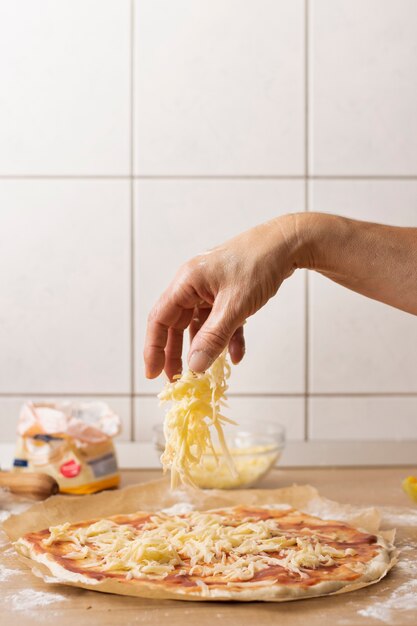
[
  {"x": 357, "y": 344},
  {"x": 363, "y": 96},
  {"x": 64, "y": 67},
  {"x": 65, "y": 280},
  {"x": 177, "y": 219},
  {"x": 363, "y": 418},
  {"x": 219, "y": 87},
  {"x": 289, "y": 412},
  {"x": 200, "y": 109}
]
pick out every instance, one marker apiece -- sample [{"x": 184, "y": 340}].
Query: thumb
[{"x": 213, "y": 337}]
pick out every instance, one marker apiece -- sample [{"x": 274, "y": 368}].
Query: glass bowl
[{"x": 255, "y": 445}]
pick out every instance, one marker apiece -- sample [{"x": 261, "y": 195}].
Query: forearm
[
  {"x": 375, "y": 260},
  {"x": 215, "y": 292}
]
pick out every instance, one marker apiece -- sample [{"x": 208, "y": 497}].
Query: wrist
[
  {"x": 298, "y": 232},
  {"x": 318, "y": 236}
]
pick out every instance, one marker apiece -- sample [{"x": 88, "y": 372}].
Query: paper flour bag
[{"x": 70, "y": 441}]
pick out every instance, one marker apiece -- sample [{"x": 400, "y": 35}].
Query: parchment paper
[{"x": 156, "y": 495}]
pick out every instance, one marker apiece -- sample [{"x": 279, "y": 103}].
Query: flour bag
[{"x": 72, "y": 442}]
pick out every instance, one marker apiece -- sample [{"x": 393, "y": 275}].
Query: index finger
[
  {"x": 167, "y": 314},
  {"x": 160, "y": 319}
]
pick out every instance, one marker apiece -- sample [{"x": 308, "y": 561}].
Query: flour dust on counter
[
  {"x": 404, "y": 598},
  {"x": 6, "y": 573},
  {"x": 29, "y": 599}
]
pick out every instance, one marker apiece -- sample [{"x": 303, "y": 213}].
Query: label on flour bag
[
  {"x": 70, "y": 469},
  {"x": 103, "y": 465}
]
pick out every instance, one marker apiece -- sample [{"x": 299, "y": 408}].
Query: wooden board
[{"x": 26, "y": 599}]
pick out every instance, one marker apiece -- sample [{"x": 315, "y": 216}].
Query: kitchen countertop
[{"x": 26, "y": 599}]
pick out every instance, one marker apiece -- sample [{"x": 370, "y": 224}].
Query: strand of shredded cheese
[
  {"x": 197, "y": 401},
  {"x": 198, "y": 544}
]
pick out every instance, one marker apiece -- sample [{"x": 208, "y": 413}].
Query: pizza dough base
[{"x": 51, "y": 571}]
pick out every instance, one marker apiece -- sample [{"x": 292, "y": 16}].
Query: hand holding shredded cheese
[{"x": 197, "y": 400}]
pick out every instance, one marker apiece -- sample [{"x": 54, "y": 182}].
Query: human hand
[{"x": 215, "y": 292}]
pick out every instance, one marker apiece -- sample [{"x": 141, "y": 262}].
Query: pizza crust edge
[{"x": 51, "y": 571}]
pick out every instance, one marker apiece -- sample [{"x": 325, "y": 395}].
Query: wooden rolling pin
[{"x": 30, "y": 484}]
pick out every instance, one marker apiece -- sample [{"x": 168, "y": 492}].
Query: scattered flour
[
  {"x": 25, "y": 599},
  {"x": 408, "y": 566},
  {"x": 10, "y": 504},
  {"x": 4, "y": 540},
  {"x": 403, "y": 598},
  {"x": 29, "y": 599},
  {"x": 399, "y": 516},
  {"x": 6, "y": 573},
  {"x": 279, "y": 507},
  {"x": 180, "y": 508}
]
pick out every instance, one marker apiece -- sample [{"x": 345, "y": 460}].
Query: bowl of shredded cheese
[{"x": 255, "y": 447}]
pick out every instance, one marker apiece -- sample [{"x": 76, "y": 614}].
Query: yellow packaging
[{"x": 72, "y": 442}]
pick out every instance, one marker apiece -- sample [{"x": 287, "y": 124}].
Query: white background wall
[{"x": 136, "y": 134}]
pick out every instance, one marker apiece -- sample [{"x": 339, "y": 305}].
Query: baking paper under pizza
[{"x": 239, "y": 553}]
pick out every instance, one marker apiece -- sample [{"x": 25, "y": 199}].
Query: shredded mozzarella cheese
[
  {"x": 198, "y": 544},
  {"x": 251, "y": 464},
  {"x": 197, "y": 401}
]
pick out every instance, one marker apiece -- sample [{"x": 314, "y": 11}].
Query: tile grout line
[
  {"x": 306, "y": 339},
  {"x": 237, "y": 394},
  {"x": 364, "y": 177},
  {"x": 220, "y": 177},
  {"x": 306, "y": 208},
  {"x": 215, "y": 177},
  {"x": 306, "y": 94},
  {"x": 132, "y": 226},
  {"x": 363, "y": 394},
  {"x": 324, "y": 394},
  {"x": 64, "y": 177},
  {"x": 65, "y": 394}
]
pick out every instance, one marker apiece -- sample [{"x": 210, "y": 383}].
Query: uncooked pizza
[{"x": 240, "y": 553}]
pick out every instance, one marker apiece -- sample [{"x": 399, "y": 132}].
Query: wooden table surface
[{"x": 26, "y": 599}]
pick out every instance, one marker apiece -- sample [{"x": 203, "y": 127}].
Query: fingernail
[{"x": 199, "y": 361}]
